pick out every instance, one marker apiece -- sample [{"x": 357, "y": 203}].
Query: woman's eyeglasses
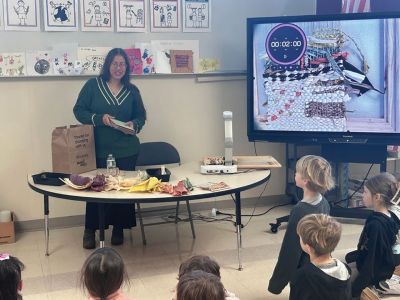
[{"x": 116, "y": 65}]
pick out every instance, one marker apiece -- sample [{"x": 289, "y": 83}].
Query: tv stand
[{"x": 335, "y": 153}]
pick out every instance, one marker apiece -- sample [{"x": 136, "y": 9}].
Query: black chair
[{"x": 157, "y": 154}]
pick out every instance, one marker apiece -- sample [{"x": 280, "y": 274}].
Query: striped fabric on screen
[{"x": 355, "y": 6}]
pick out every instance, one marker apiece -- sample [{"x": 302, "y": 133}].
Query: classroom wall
[{"x": 181, "y": 110}]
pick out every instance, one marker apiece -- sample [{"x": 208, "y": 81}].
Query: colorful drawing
[
  {"x": 12, "y": 64},
  {"x": 147, "y": 57},
  {"x": 97, "y": 15},
  {"x": 135, "y": 60},
  {"x": 63, "y": 58},
  {"x": 22, "y": 15},
  {"x": 131, "y": 15},
  {"x": 196, "y": 15},
  {"x": 38, "y": 62},
  {"x": 92, "y": 59},
  {"x": 165, "y": 15},
  {"x": 60, "y": 15}
]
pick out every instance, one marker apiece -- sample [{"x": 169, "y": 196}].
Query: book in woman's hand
[{"x": 122, "y": 126}]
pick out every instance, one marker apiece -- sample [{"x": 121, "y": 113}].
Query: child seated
[
  {"x": 206, "y": 264},
  {"x": 314, "y": 176},
  {"x": 323, "y": 277},
  {"x": 199, "y": 285},
  {"x": 103, "y": 274},
  {"x": 374, "y": 258},
  {"x": 10, "y": 277}
]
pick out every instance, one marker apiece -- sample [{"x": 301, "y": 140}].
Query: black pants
[{"x": 118, "y": 215}]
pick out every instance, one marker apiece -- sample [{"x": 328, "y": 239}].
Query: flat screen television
[{"x": 324, "y": 78}]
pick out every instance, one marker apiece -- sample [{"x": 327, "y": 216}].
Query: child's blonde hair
[
  {"x": 385, "y": 185},
  {"x": 321, "y": 232},
  {"x": 317, "y": 171}
]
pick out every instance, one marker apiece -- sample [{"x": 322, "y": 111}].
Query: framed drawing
[
  {"x": 165, "y": 15},
  {"x": 97, "y": 15},
  {"x": 196, "y": 15},
  {"x": 21, "y": 15},
  {"x": 60, "y": 15},
  {"x": 1, "y": 15},
  {"x": 181, "y": 61},
  {"x": 131, "y": 15}
]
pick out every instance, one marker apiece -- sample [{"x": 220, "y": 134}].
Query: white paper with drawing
[
  {"x": 64, "y": 57},
  {"x": 162, "y": 45},
  {"x": 147, "y": 57},
  {"x": 60, "y": 15},
  {"x": 21, "y": 15},
  {"x": 165, "y": 15},
  {"x": 196, "y": 15},
  {"x": 97, "y": 15},
  {"x": 131, "y": 15},
  {"x": 38, "y": 62},
  {"x": 12, "y": 64},
  {"x": 92, "y": 59}
]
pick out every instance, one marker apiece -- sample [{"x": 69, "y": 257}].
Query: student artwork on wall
[
  {"x": 60, "y": 15},
  {"x": 22, "y": 15},
  {"x": 38, "y": 62},
  {"x": 135, "y": 60},
  {"x": 196, "y": 15},
  {"x": 92, "y": 59},
  {"x": 165, "y": 15},
  {"x": 1, "y": 15},
  {"x": 12, "y": 64},
  {"x": 147, "y": 57},
  {"x": 97, "y": 15},
  {"x": 131, "y": 15},
  {"x": 181, "y": 61},
  {"x": 64, "y": 57}
]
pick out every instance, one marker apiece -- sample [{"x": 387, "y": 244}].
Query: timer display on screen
[{"x": 286, "y": 44}]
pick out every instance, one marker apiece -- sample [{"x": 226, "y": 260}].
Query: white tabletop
[{"x": 237, "y": 182}]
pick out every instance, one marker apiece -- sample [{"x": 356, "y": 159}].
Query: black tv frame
[{"x": 309, "y": 137}]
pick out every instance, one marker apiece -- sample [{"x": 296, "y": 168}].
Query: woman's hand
[{"x": 107, "y": 120}]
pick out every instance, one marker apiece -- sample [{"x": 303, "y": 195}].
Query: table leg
[
  {"x": 46, "y": 222},
  {"x": 238, "y": 228},
  {"x": 101, "y": 224}
]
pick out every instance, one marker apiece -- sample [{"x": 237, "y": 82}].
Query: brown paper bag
[{"x": 73, "y": 149}]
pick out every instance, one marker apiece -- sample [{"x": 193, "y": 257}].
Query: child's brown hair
[
  {"x": 385, "y": 185},
  {"x": 199, "y": 285},
  {"x": 319, "y": 231},
  {"x": 199, "y": 262},
  {"x": 103, "y": 273},
  {"x": 317, "y": 171}
]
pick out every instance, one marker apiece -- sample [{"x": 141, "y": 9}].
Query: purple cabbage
[{"x": 79, "y": 180}]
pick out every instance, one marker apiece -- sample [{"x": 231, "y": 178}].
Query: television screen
[{"x": 330, "y": 78}]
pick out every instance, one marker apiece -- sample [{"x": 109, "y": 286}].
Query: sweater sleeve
[
  {"x": 139, "y": 112},
  {"x": 297, "y": 285},
  {"x": 366, "y": 271},
  {"x": 82, "y": 108},
  {"x": 289, "y": 255}
]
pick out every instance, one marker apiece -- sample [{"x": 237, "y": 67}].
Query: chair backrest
[{"x": 157, "y": 153}]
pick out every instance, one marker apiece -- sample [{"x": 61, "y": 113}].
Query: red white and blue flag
[{"x": 355, "y": 6}]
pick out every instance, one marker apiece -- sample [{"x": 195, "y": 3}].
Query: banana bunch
[{"x": 149, "y": 185}]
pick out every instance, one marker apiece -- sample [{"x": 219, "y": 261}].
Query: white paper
[
  {"x": 162, "y": 45},
  {"x": 63, "y": 58},
  {"x": 60, "y": 15},
  {"x": 162, "y": 61},
  {"x": 21, "y": 15},
  {"x": 92, "y": 59},
  {"x": 196, "y": 15},
  {"x": 1, "y": 15},
  {"x": 97, "y": 15},
  {"x": 38, "y": 62},
  {"x": 165, "y": 15},
  {"x": 12, "y": 64},
  {"x": 132, "y": 15},
  {"x": 147, "y": 57}
]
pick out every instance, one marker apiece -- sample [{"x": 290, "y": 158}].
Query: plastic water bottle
[{"x": 111, "y": 164}]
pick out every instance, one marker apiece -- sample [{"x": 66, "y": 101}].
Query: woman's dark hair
[
  {"x": 199, "y": 262},
  {"x": 106, "y": 75},
  {"x": 103, "y": 273},
  {"x": 10, "y": 278},
  {"x": 200, "y": 285}
]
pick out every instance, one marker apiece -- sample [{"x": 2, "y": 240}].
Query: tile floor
[{"x": 153, "y": 269}]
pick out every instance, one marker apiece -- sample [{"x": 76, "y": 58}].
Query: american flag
[{"x": 355, "y": 6}]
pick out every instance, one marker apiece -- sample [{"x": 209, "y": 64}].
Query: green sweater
[{"x": 95, "y": 100}]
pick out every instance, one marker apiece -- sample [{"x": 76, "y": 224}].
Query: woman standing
[{"x": 111, "y": 95}]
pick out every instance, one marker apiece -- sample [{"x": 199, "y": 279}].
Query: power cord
[
  {"x": 255, "y": 149},
  {"x": 359, "y": 187}
]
